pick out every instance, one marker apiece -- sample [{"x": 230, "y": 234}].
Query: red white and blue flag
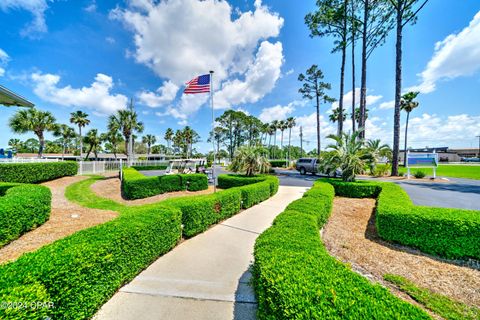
[{"x": 200, "y": 84}]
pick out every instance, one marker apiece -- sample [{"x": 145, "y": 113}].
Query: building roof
[{"x": 9, "y": 98}]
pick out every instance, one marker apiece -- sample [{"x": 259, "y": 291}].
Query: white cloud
[
  {"x": 348, "y": 97},
  {"x": 387, "y": 105},
  {"x": 110, "y": 40},
  {"x": 92, "y": 7},
  {"x": 277, "y": 112},
  {"x": 96, "y": 97},
  {"x": 433, "y": 130},
  {"x": 164, "y": 95},
  {"x": 309, "y": 129},
  {"x": 260, "y": 78},
  {"x": 198, "y": 36},
  {"x": 36, "y": 7},
  {"x": 4, "y": 58},
  {"x": 455, "y": 56}
]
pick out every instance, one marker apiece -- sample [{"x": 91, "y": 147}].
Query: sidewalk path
[{"x": 206, "y": 277}]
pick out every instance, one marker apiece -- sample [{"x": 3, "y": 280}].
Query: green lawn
[
  {"x": 441, "y": 305},
  {"x": 450, "y": 170}
]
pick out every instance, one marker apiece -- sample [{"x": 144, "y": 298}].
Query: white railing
[
  {"x": 26, "y": 160},
  {"x": 94, "y": 167}
]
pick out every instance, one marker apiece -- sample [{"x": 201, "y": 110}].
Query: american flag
[{"x": 199, "y": 84}]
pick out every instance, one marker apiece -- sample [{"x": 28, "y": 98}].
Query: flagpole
[{"x": 213, "y": 133}]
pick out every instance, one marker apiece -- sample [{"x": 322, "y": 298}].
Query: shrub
[
  {"x": 419, "y": 174},
  {"x": 22, "y": 208},
  {"x": 254, "y": 189},
  {"x": 80, "y": 272},
  {"x": 278, "y": 163},
  {"x": 449, "y": 233},
  {"x": 136, "y": 186},
  {"x": 36, "y": 172},
  {"x": 296, "y": 278},
  {"x": 381, "y": 170},
  {"x": 148, "y": 168}
]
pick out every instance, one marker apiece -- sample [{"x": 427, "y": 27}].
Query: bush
[
  {"x": 136, "y": 186},
  {"x": 22, "y": 208},
  {"x": 36, "y": 172},
  {"x": 381, "y": 170},
  {"x": 278, "y": 163},
  {"x": 419, "y": 174},
  {"x": 254, "y": 189},
  {"x": 80, "y": 272},
  {"x": 148, "y": 168},
  {"x": 296, "y": 278},
  {"x": 449, "y": 233}
]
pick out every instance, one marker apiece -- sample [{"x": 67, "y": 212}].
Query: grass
[
  {"x": 450, "y": 170},
  {"x": 437, "y": 303}
]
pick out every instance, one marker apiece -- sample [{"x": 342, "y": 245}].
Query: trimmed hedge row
[
  {"x": 449, "y": 233},
  {"x": 36, "y": 172},
  {"x": 136, "y": 186},
  {"x": 22, "y": 208},
  {"x": 296, "y": 278},
  {"x": 254, "y": 189},
  {"x": 147, "y": 168},
  {"x": 278, "y": 163},
  {"x": 80, "y": 273}
]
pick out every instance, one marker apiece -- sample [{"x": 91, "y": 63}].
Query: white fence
[{"x": 94, "y": 167}]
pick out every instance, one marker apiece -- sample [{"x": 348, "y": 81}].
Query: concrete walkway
[{"x": 206, "y": 277}]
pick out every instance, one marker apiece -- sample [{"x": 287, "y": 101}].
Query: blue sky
[{"x": 94, "y": 56}]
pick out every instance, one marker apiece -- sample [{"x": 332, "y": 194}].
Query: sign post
[{"x": 422, "y": 160}]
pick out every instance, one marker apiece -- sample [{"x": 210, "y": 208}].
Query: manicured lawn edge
[
  {"x": 448, "y": 233},
  {"x": 296, "y": 278},
  {"x": 79, "y": 273},
  {"x": 36, "y": 172},
  {"x": 23, "y": 207},
  {"x": 137, "y": 186}
]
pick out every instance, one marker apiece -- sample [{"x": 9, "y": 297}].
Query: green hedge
[
  {"x": 254, "y": 189},
  {"x": 278, "y": 163},
  {"x": 147, "y": 168},
  {"x": 449, "y": 233},
  {"x": 36, "y": 172},
  {"x": 79, "y": 273},
  {"x": 22, "y": 208},
  {"x": 296, "y": 278},
  {"x": 136, "y": 186}
]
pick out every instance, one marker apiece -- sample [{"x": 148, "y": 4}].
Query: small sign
[{"x": 422, "y": 160}]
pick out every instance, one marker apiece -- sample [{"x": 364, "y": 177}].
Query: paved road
[{"x": 456, "y": 193}]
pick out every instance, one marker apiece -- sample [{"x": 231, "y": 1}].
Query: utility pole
[
  {"x": 301, "y": 142},
  {"x": 478, "y": 154}
]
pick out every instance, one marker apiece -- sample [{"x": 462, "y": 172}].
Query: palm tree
[
  {"x": 66, "y": 134},
  {"x": 407, "y": 104},
  {"x": 290, "y": 124},
  {"x": 333, "y": 117},
  {"x": 94, "y": 141},
  {"x": 149, "y": 140},
  {"x": 79, "y": 118},
  {"x": 126, "y": 121},
  {"x": 348, "y": 154},
  {"x": 33, "y": 120},
  {"x": 169, "y": 136},
  {"x": 112, "y": 139},
  {"x": 274, "y": 128},
  {"x": 250, "y": 161},
  {"x": 377, "y": 150},
  {"x": 15, "y": 145},
  {"x": 282, "y": 126}
]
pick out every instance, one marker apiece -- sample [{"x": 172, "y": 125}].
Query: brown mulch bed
[
  {"x": 66, "y": 218},
  {"x": 110, "y": 188},
  {"x": 350, "y": 235}
]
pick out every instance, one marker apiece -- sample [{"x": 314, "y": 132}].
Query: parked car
[
  {"x": 470, "y": 159},
  {"x": 305, "y": 165}
]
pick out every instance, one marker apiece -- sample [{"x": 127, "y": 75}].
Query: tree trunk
[
  {"x": 342, "y": 69},
  {"x": 353, "y": 67},
  {"x": 274, "y": 143},
  {"x": 398, "y": 92},
  {"x": 318, "y": 126},
  {"x": 81, "y": 140},
  {"x": 41, "y": 140},
  {"x": 63, "y": 151},
  {"x": 289, "y": 139},
  {"x": 363, "y": 90},
  {"x": 405, "y": 149},
  {"x": 88, "y": 153}
]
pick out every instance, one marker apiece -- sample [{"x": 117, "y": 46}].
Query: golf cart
[{"x": 186, "y": 166}]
